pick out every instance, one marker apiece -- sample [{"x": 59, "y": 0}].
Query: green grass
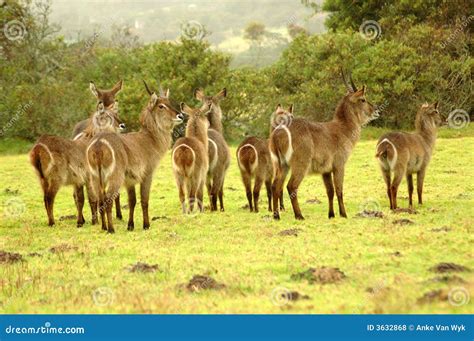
[{"x": 243, "y": 250}]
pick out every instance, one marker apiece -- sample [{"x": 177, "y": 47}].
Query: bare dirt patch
[
  {"x": 405, "y": 210},
  {"x": 433, "y": 296},
  {"x": 67, "y": 217},
  {"x": 9, "y": 191},
  {"x": 293, "y": 296},
  {"x": 448, "y": 279},
  {"x": 313, "y": 201},
  {"x": 10, "y": 257},
  {"x": 441, "y": 229},
  {"x": 161, "y": 217},
  {"x": 34, "y": 254},
  {"x": 403, "y": 222},
  {"x": 449, "y": 267},
  {"x": 370, "y": 214},
  {"x": 201, "y": 282},
  {"x": 143, "y": 267},
  {"x": 289, "y": 232},
  {"x": 323, "y": 275},
  {"x": 61, "y": 248}
]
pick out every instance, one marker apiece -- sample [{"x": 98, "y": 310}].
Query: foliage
[{"x": 44, "y": 79}]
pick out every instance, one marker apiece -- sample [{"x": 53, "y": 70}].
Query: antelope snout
[{"x": 179, "y": 118}]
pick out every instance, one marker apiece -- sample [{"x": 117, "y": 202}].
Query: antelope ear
[
  {"x": 117, "y": 87},
  {"x": 278, "y": 106},
  {"x": 100, "y": 107},
  {"x": 436, "y": 104},
  {"x": 93, "y": 89},
  {"x": 185, "y": 108},
  {"x": 199, "y": 94},
  {"x": 153, "y": 99},
  {"x": 221, "y": 94},
  {"x": 290, "y": 109},
  {"x": 361, "y": 91},
  {"x": 167, "y": 93}
]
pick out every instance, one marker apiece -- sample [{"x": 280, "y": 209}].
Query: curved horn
[
  {"x": 349, "y": 88},
  {"x": 354, "y": 88},
  {"x": 147, "y": 88}
]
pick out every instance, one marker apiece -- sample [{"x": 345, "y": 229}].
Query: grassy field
[{"x": 387, "y": 267}]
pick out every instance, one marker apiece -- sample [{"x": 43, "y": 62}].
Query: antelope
[
  {"x": 190, "y": 158},
  {"x": 404, "y": 154},
  {"x": 218, "y": 151},
  {"x": 108, "y": 98},
  {"x": 253, "y": 158},
  {"x": 105, "y": 96},
  {"x": 319, "y": 147},
  {"x": 128, "y": 159},
  {"x": 59, "y": 162}
]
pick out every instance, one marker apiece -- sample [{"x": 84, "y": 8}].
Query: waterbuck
[
  {"x": 190, "y": 158},
  {"x": 108, "y": 98},
  {"x": 404, "y": 154},
  {"x": 253, "y": 158},
  {"x": 218, "y": 151},
  {"x": 130, "y": 159},
  {"x": 59, "y": 161},
  {"x": 105, "y": 96},
  {"x": 314, "y": 147}
]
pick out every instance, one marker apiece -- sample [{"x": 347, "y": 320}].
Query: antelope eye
[
  {"x": 161, "y": 106},
  {"x": 363, "y": 100}
]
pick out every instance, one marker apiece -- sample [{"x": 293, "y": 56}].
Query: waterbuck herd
[{"x": 103, "y": 158}]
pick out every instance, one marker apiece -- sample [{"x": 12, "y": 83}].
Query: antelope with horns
[
  {"x": 253, "y": 158},
  {"x": 105, "y": 96},
  {"x": 404, "y": 154},
  {"x": 190, "y": 158},
  {"x": 313, "y": 147},
  {"x": 130, "y": 159},
  {"x": 59, "y": 161},
  {"x": 108, "y": 98},
  {"x": 218, "y": 151}
]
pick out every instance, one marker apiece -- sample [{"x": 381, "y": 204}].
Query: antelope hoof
[
  {"x": 111, "y": 231},
  {"x": 131, "y": 226},
  {"x": 119, "y": 216},
  {"x": 79, "y": 225},
  {"x": 299, "y": 217},
  {"x": 222, "y": 209},
  {"x": 343, "y": 215},
  {"x": 146, "y": 226},
  {"x": 51, "y": 223},
  {"x": 331, "y": 215},
  {"x": 276, "y": 216}
]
